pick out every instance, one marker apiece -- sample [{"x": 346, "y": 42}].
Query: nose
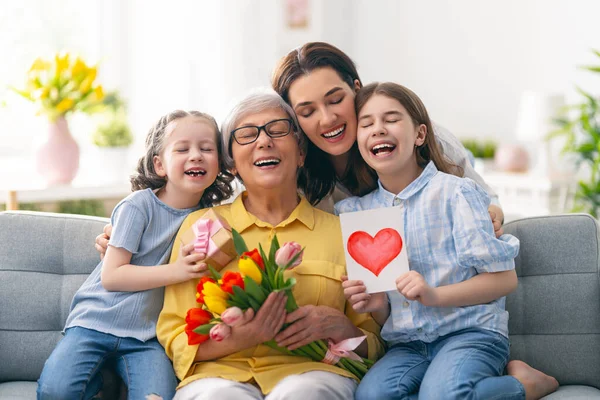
[
  {"x": 328, "y": 117},
  {"x": 378, "y": 129},
  {"x": 195, "y": 154},
  {"x": 263, "y": 139}
]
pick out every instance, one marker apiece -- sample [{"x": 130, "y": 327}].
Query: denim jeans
[
  {"x": 466, "y": 364},
  {"x": 73, "y": 369}
]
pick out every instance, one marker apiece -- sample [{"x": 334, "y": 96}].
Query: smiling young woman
[{"x": 320, "y": 82}]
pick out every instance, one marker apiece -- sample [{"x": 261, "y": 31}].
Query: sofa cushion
[
  {"x": 44, "y": 258},
  {"x": 18, "y": 390},
  {"x": 554, "y": 320},
  {"x": 574, "y": 392}
]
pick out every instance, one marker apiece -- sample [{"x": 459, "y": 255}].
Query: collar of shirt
[
  {"x": 242, "y": 219},
  {"x": 414, "y": 187}
]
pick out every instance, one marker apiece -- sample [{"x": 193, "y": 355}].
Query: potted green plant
[
  {"x": 483, "y": 151},
  {"x": 580, "y": 128},
  {"x": 113, "y": 139}
]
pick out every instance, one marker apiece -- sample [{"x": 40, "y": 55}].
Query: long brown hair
[
  {"x": 429, "y": 150},
  {"x": 145, "y": 175},
  {"x": 317, "y": 178}
]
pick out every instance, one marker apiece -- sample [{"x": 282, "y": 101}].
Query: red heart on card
[{"x": 375, "y": 253}]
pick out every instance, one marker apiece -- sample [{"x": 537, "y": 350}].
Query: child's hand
[
  {"x": 413, "y": 286},
  {"x": 188, "y": 265},
  {"x": 361, "y": 301}
]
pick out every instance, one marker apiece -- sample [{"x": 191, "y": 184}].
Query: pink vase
[{"x": 57, "y": 158}]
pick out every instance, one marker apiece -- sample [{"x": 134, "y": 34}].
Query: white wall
[{"x": 470, "y": 60}]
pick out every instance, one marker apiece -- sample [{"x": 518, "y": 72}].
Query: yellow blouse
[{"x": 318, "y": 283}]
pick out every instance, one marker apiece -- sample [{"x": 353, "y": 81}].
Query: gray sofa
[{"x": 554, "y": 314}]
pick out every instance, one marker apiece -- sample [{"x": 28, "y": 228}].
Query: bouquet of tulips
[
  {"x": 224, "y": 298},
  {"x": 61, "y": 85}
]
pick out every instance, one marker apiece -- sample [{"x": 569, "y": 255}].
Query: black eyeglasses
[{"x": 275, "y": 129}]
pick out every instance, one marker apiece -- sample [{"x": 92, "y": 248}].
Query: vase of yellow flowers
[{"x": 59, "y": 87}]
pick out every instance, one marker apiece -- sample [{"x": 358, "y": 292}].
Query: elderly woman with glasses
[{"x": 265, "y": 149}]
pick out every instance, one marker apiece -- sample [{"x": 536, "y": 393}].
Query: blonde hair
[{"x": 146, "y": 177}]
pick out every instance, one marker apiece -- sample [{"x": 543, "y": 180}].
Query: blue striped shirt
[
  {"x": 146, "y": 227},
  {"x": 449, "y": 239}
]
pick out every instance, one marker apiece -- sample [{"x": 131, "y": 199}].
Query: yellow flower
[
  {"x": 79, "y": 68},
  {"x": 62, "y": 62},
  {"x": 98, "y": 94},
  {"x": 39, "y": 65},
  {"x": 65, "y": 105},
  {"x": 249, "y": 268},
  {"x": 86, "y": 85},
  {"x": 215, "y": 304},
  {"x": 214, "y": 297}
]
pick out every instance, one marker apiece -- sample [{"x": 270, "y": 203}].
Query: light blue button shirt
[
  {"x": 449, "y": 239},
  {"x": 146, "y": 227}
]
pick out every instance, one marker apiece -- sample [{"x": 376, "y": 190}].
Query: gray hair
[{"x": 254, "y": 103}]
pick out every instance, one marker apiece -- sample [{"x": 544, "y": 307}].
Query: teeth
[
  {"x": 195, "y": 172},
  {"x": 334, "y": 133},
  {"x": 383, "y": 146},
  {"x": 267, "y": 161}
]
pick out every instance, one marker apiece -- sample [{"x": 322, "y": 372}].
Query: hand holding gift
[{"x": 211, "y": 235}]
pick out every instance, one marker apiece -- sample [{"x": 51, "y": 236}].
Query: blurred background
[{"x": 495, "y": 73}]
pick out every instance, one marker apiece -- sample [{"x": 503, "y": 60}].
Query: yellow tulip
[
  {"x": 98, "y": 93},
  {"x": 86, "y": 85},
  {"x": 62, "y": 62},
  {"x": 215, "y": 304},
  {"x": 249, "y": 268},
  {"x": 79, "y": 67},
  {"x": 212, "y": 289},
  {"x": 39, "y": 65},
  {"x": 65, "y": 105}
]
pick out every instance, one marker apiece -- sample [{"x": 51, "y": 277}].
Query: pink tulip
[
  {"x": 220, "y": 332},
  {"x": 285, "y": 254},
  {"x": 233, "y": 316}
]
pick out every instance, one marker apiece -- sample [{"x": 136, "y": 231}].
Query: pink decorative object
[
  {"x": 57, "y": 159},
  {"x": 343, "y": 349},
  {"x": 511, "y": 158}
]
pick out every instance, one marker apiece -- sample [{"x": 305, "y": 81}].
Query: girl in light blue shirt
[
  {"x": 446, "y": 324},
  {"x": 113, "y": 315}
]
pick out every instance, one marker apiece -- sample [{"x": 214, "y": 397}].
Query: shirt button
[
  {"x": 406, "y": 304},
  {"x": 396, "y": 201}
]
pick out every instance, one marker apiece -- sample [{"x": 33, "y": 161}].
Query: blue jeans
[
  {"x": 73, "y": 369},
  {"x": 466, "y": 364}
]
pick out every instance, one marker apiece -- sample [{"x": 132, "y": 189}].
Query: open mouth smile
[
  {"x": 382, "y": 149},
  {"x": 195, "y": 172},
  {"x": 267, "y": 162},
  {"x": 335, "y": 133}
]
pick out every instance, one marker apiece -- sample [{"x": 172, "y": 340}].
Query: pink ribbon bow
[
  {"x": 204, "y": 229},
  {"x": 343, "y": 349}
]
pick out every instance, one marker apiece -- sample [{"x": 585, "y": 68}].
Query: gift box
[{"x": 211, "y": 235}]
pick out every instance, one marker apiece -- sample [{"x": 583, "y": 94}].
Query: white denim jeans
[{"x": 312, "y": 385}]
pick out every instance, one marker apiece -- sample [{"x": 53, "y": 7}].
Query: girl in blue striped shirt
[
  {"x": 446, "y": 324},
  {"x": 113, "y": 315}
]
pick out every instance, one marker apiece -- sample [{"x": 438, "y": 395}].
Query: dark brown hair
[
  {"x": 317, "y": 178},
  {"x": 146, "y": 176},
  {"x": 429, "y": 150}
]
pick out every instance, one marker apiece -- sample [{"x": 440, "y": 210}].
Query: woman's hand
[
  {"x": 413, "y": 286},
  {"x": 102, "y": 240},
  {"x": 497, "y": 216},
  {"x": 310, "y": 323},
  {"x": 361, "y": 301},
  {"x": 188, "y": 265},
  {"x": 269, "y": 320}
]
